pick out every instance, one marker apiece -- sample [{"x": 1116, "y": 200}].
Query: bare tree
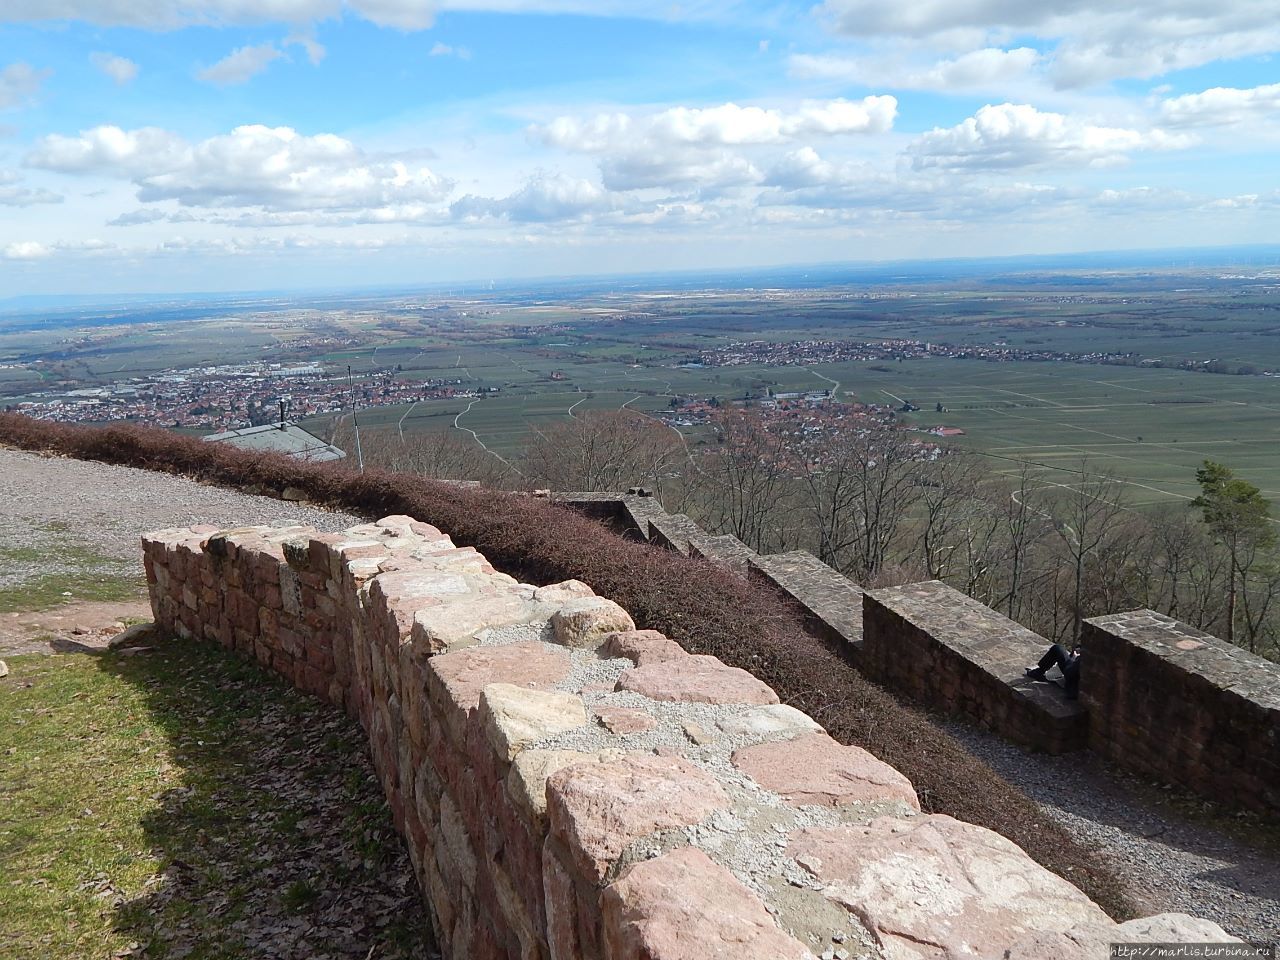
[
  {"x": 439, "y": 454},
  {"x": 1087, "y": 511},
  {"x": 946, "y": 511},
  {"x": 1239, "y": 518},
  {"x": 858, "y": 492},
  {"x": 746, "y": 482},
  {"x": 1024, "y": 526},
  {"x": 603, "y": 450}
]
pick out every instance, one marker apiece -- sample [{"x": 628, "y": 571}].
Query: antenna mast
[{"x": 355, "y": 420}]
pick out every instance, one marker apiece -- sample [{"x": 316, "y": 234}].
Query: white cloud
[
  {"x": 13, "y": 194},
  {"x": 408, "y": 15},
  {"x": 699, "y": 148},
  {"x": 725, "y": 125},
  {"x": 120, "y": 69},
  {"x": 19, "y": 82},
  {"x": 845, "y": 192},
  {"x": 642, "y": 169},
  {"x": 439, "y": 49},
  {"x": 306, "y": 38},
  {"x": 1017, "y": 135},
  {"x": 241, "y": 64},
  {"x": 986, "y": 69},
  {"x": 546, "y": 198},
  {"x": 27, "y": 250},
  {"x": 275, "y": 168},
  {"x": 27, "y": 196},
  {"x": 110, "y": 150},
  {"x": 400, "y": 14},
  {"x": 1223, "y": 106},
  {"x": 1096, "y": 40},
  {"x": 137, "y": 217},
  {"x": 168, "y": 15}
]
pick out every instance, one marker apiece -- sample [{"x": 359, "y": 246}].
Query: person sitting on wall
[{"x": 1068, "y": 661}]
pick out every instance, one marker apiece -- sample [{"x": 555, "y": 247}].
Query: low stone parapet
[
  {"x": 831, "y": 602},
  {"x": 571, "y": 788},
  {"x": 954, "y": 654},
  {"x": 1176, "y": 704}
]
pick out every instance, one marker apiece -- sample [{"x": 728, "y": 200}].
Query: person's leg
[
  {"x": 1071, "y": 680},
  {"x": 1056, "y": 656}
]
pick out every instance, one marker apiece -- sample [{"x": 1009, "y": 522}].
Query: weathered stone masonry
[
  {"x": 959, "y": 656},
  {"x": 571, "y": 788},
  {"x": 1183, "y": 707},
  {"x": 1156, "y": 696}
]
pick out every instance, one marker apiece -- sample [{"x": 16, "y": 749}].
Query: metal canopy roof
[{"x": 286, "y": 437}]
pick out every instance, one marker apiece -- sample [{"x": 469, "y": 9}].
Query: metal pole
[{"x": 355, "y": 420}]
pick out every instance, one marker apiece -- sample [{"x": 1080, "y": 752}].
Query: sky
[{"x": 167, "y": 145}]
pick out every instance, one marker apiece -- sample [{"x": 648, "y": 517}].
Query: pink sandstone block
[
  {"x": 816, "y": 770},
  {"x": 641, "y": 647},
  {"x": 455, "y": 680},
  {"x": 561, "y": 901},
  {"x": 930, "y": 887},
  {"x": 696, "y": 679},
  {"x": 685, "y": 906},
  {"x": 623, "y": 721},
  {"x": 1093, "y": 940},
  {"x": 597, "y": 809}
]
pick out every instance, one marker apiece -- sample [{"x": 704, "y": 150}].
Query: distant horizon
[
  {"x": 1215, "y": 257},
  {"x": 225, "y": 145}
]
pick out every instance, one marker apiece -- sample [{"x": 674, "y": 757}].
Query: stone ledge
[
  {"x": 1175, "y": 704},
  {"x": 534, "y": 831},
  {"x": 831, "y": 601},
  {"x": 954, "y": 654}
]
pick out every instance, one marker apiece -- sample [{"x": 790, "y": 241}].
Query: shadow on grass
[{"x": 275, "y": 841}]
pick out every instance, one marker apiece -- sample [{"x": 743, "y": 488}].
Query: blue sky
[{"x": 151, "y": 145}]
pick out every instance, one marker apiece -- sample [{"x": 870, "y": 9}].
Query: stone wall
[
  {"x": 571, "y": 788},
  {"x": 949, "y": 652},
  {"x": 956, "y": 655},
  {"x": 1180, "y": 706}
]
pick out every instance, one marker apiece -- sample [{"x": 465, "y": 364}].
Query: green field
[
  {"x": 608, "y": 350},
  {"x": 1151, "y": 428}
]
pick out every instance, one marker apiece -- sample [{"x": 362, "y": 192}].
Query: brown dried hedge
[{"x": 707, "y": 609}]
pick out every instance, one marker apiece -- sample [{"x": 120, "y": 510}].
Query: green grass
[
  {"x": 188, "y": 803},
  {"x": 63, "y": 573}
]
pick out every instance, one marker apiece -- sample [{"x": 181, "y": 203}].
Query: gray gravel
[
  {"x": 92, "y": 515},
  {"x": 1171, "y": 862}
]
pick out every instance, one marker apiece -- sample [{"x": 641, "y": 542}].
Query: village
[
  {"x": 235, "y": 395},
  {"x": 804, "y": 420},
  {"x": 804, "y": 352}
]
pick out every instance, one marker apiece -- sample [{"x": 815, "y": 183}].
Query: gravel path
[
  {"x": 67, "y": 524},
  {"x": 52, "y": 502},
  {"x": 1171, "y": 862}
]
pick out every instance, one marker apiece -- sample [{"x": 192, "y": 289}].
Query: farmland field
[{"x": 521, "y": 361}]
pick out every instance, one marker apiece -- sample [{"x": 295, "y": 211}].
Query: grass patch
[
  {"x": 52, "y": 590},
  {"x": 62, "y": 573},
  {"x": 185, "y": 803}
]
